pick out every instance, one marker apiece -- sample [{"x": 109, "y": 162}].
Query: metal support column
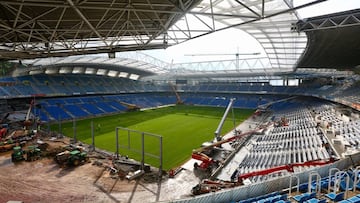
[
  {"x": 142, "y": 150},
  {"x": 74, "y": 128},
  {"x": 60, "y": 130},
  {"x": 128, "y": 139},
  {"x": 92, "y": 135},
  {"x": 117, "y": 143},
  {"x": 161, "y": 157}
]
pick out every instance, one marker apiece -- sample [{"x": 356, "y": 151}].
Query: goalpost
[{"x": 130, "y": 139}]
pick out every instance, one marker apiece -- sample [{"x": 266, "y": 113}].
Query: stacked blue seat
[
  {"x": 118, "y": 106},
  {"x": 335, "y": 197},
  {"x": 91, "y": 108},
  {"x": 44, "y": 89},
  {"x": 105, "y": 107},
  {"x": 41, "y": 114},
  {"x": 354, "y": 199},
  {"x": 75, "y": 110},
  {"x": 55, "y": 101},
  {"x": 57, "y": 113},
  {"x": 315, "y": 200},
  {"x": 267, "y": 198},
  {"x": 304, "y": 197}
]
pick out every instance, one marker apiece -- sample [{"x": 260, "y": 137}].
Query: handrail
[
  {"x": 330, "y": 174},
  {"x": 297, "y": 185},
  {"x": 338, "y": 178},
  {"x": 318, "y": 180}
]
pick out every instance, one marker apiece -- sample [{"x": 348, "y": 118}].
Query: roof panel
[
  {"x": 35, "y": 29},
  {"x": 55, "y": 28},
  {"x": 333, "y": 45}
]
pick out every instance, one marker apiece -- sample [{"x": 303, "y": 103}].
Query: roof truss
[
  {"x": 46, "y": 28},
  {"x": 345, "y": 19}
]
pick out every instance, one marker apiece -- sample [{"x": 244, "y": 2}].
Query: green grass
[{"x": 183, "y": 128}]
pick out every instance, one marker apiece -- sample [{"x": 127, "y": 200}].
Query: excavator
[{"x": 207, "y": 185}]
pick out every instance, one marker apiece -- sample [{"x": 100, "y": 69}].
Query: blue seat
[
  {"x": 304, "y": 197},
  {"x": 343, "y": 184},
  {"x": 283, "y": 201},
  {"x": 335, "y": 197},
  {"x": 354, "y": 199},
  {"x": 315, "y": 200},
  {"x": 303, "y": 187},
  {"x": 278, "y": 198}
]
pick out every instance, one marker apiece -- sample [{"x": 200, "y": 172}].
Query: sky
[
  {"x": 327, "y": 7},
  {"x": 227, "y": 42},
  {"x": 232, "y": 41}
]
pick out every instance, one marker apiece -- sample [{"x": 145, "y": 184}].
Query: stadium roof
[
  {"x": 333, "y": 40},
  {"x": 43, "y": 28},
  {"x": 131, "y": 65},
  {"x": 38, "y": 28}
]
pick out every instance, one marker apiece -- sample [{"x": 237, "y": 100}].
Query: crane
[
  {"x": 207, "y": 185},
  {"x": 207, "y": 161},
  {"x": 201, "y": 153},
  {"x": 178, "y": 98},
  {"x": 219, "y": 128},
  {"x": 27, "y": 121},
  {"x": 237, "y": 56}
]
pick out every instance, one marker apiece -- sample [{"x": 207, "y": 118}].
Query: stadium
[{"x": 93, "y": 110}]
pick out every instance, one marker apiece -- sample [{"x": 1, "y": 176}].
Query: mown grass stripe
[{"x": 183, "y": 128}]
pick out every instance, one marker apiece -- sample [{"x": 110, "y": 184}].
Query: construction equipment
[
  {"x": 16, "y": 138},
  {"x": 9, "y": 144},
  {"x": 207, "y": 186},
  {"x": 130, "y": 107},
  {"x": 21, "y": 135},
  {"x": 282, "y": 122},
  {"x": 288, "y": 167},
  {"x": 27, "y": 121},
  {"x": 124, "y": 163},
  {"x": 3, "y": 131},
  {"x": 134, "y": 175},
  {"x": 206, "y": 162},
  {"x": 203, "y": 153},
  {"x": 237, "y": 56},
  {"x": 73, "y": 158},
  {"x": 30, "y": 154},
  {"x": 178, "y": 98},
  {"x": 219, "y": 128},
  {"x": 18, "y": 154}
]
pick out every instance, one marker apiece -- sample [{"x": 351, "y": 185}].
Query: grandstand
[{"x": 304, "y": 81}]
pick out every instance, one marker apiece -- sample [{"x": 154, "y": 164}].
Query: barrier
[{"x": 278, "y": 184}]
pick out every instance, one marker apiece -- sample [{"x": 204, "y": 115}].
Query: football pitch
[{"x": 183, "y": 129}]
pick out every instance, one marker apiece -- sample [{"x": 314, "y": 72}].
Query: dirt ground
[{"x": 44, "y": 181}]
